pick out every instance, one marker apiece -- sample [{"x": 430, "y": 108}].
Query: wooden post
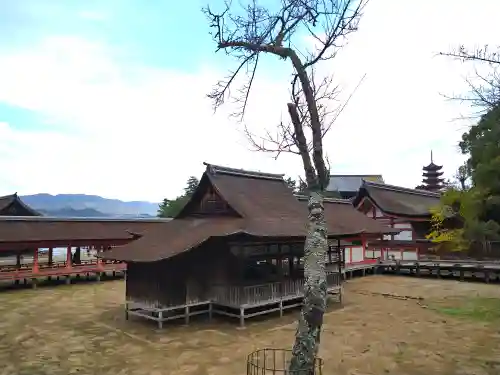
[
  {"x": 99, "y": 261},
  {"x": 126, "y": 311},
  {"x": 35, "y": 261},
  {"x": 242, "y": 317},
  {"x": 68, "y": 258},
  {"x": 160, "y": 319},
  {"x": 363, "y": 245},
  {"x": 78, "y": 255},
  {"x": 51, "y": 256},
  {"x": 18, "y": 261},
  {"x": 186, "y": 315}
]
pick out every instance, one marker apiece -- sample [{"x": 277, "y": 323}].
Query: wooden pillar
[
  {"x": 99, "y": 260},
  {"x": 392, "y": 226},
  {"x": 68, "y": 257},
  {"x": 279, "y": 265},
  {"x": 35, "y": 261},
  {"x": 363, "y": 244},
  {"x": 51, "y": 256},
  {"x": 242, "y": 317},
  {"x": 341, "y": 255},
  {"x": 291, "y": 271},
  {"x": 186, "y": 315},
  {"x": 18, "y": 261},
  {"x": 78, "y": 256}
]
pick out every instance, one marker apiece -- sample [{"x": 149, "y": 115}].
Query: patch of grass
[{"x": 475, "y": 308}]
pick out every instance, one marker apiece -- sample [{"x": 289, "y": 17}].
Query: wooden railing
[
  {"x": 265, "y": 293},
  {"x": 256, "y": 294}
]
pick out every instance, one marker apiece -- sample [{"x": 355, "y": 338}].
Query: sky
[{"x": 108, "y": 97}]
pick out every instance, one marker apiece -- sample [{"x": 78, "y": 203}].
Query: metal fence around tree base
[{"x": 277, "y": 361}]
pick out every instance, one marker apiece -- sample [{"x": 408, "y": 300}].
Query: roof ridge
[
  {"x": 218, "y": 169},
  {"x": 402, "y": 189},
  {"x": 8, "y": 196},
  {"x": 356, "y": 175},
  {"x": 82, "y": 219},
  {"x": 302, "y": 197}
]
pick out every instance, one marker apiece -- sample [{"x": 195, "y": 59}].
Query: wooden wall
[{"x": 182, "y": 279}]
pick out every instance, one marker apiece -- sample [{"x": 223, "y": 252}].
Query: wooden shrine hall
[
  {"x": 235, "y": 249},
  {"x": 408, "y": 210}
]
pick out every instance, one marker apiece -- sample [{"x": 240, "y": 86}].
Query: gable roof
[
  {"x": 398, "y": 201},
  {"x": 343, "y": 219},
  {"x": 250, "y": 194},
  {"x": 13, "y": 205},
  {"x": 264, "y": 206},
  {"x": 350, "y": 182}
]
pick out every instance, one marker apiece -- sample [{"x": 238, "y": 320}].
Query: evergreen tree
[
  {"x": 474, "y": 210},
  {"x": 171, "y": 207}
]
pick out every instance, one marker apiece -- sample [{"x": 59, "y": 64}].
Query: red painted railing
[{"x": 11, "y": 272}]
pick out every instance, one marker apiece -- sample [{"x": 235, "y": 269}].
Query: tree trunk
[{"x": 307, "y": 337}]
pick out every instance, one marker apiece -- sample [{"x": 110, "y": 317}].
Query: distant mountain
[
  {"x": 71, "y": 212},
  {"x": 82, "y": 205}
]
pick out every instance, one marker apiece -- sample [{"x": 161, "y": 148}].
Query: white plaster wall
[
  {"x": 357, "y": 254},
  {"x": 397, "y": 254},
  {"x": 410, "y": 255},
  {"x": 347, "y": 252}
]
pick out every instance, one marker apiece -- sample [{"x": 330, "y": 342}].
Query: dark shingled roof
[
  {"x": 66, "y": 231},
  {"x": 348, "y": 183},
  {"x": 263, "y": 206},
  {"x": 398, "y": 201},
  {"x": 13, "y": 205}
]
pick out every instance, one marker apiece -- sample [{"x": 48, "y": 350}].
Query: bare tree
[
  {"x": 484, "y": 91},
  {"x": 463, "y": 175},
  {"x": 245, "y": 34}
]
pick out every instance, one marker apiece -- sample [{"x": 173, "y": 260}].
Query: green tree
[
  {"x": 475, "y": 210},
  {"x": 192, "y": 184},
  {"x": 291, "y": 183},
  {"x": 171, "y": 207}
]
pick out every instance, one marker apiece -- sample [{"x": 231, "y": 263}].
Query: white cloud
[{"x": 138, "y": 132}]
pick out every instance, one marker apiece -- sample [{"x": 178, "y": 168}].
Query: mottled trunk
[{"x": 307, "y": 337}]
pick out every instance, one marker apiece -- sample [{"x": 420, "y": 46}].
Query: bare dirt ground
[{"x": 80, "y": 329}]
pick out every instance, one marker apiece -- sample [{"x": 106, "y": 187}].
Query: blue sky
[
  {"x": 137, "y": 30},
  {"x": 108, "y": 97}
]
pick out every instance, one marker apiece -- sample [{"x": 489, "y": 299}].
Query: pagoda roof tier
[
  {"x": 433, "y": 181},
  {"x": 432, "y": 167},
  {"x": 432, "y": 174}
]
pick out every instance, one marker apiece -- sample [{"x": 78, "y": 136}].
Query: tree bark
[{"x": 307, "y": 336}]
